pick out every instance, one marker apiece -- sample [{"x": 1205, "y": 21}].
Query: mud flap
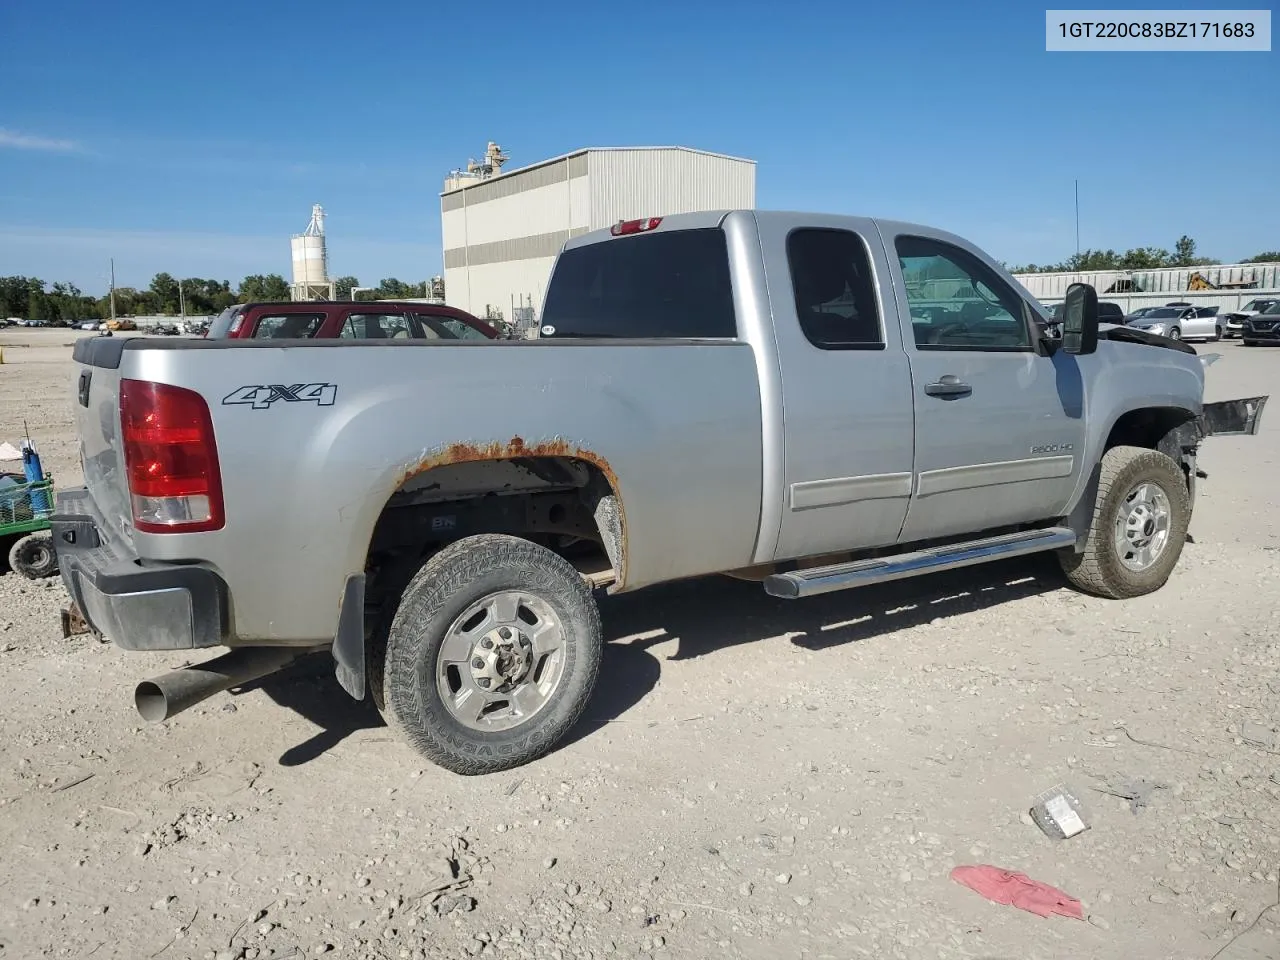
[
  {"x": 348, "y": 645},
  {"x": 1232, "y": 418}
]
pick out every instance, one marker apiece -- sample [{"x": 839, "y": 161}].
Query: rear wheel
[
  {"x": 34, "y": 557},
  {"x": 491, "y": 656},
  {"x": 1217, "y": 333},
  {"x": 1139, "y": 526},
  {"x": 1250, "y": 343}
]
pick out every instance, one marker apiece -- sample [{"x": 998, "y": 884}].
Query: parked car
[
  {"x": 1109, "y": 312},
  {"x": 358, "y": 320},
  {"x": 1180, "y": 322},
  {"x": 815, "y": 402},
  {"x": 1262, "y": 328},
  {"x": 1235, "y": 319},
  {"x": 1138, "y": 314}
]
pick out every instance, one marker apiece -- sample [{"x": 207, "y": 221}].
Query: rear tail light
[
  {"x": 171, "y": 458},
  {"x": 624, "y": 227}
]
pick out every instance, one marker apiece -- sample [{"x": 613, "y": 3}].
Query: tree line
[
  {"x": 1139, "y": 258},
  {"x": 30, "y": 298}
]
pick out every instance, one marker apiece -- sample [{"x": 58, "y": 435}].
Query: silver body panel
[{"x": 725, "y": 453}]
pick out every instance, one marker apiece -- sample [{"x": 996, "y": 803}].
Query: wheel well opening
[
  {"x": 1170, "y": 430},
  {"x": 564, "y": 503},
  {"x": 1150, "y": 427}
]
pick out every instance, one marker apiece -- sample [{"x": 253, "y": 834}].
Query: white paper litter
[{"x": 9, "y": 452}]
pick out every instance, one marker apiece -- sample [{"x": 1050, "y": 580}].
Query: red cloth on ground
[{"x": 1018, "y": 890}]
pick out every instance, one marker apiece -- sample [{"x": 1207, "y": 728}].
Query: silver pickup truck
[{"x": 816, "y": 402}]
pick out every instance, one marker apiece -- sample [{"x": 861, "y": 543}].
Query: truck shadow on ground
[
  {"x": 309, "y": 689},
  {"x": 708, "y": 616},
  {"x": 704, "y": 617}
]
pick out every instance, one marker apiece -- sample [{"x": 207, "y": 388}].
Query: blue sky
[{"x": 193, "y": 139}]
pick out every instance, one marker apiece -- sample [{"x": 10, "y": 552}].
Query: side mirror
[{"x": 1080, "y": 319}]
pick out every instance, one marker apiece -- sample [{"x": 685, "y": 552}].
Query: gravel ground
[{"x": 754, "y": 779}]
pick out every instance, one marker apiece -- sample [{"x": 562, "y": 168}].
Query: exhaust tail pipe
[{"x": 166, "y": 696}]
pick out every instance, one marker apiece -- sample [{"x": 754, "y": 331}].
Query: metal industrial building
[{"x": 502, "y": 231}]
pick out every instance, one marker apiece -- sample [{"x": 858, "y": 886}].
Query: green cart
[{"x": 25, "y": 510}]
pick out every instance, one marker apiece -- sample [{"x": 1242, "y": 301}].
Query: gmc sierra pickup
[{"x": 817, "y": 402}]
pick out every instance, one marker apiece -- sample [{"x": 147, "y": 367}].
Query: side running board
[{"x": 798, "y": 584}]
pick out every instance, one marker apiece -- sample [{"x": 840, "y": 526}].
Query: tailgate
[{"x": 97, "y": 417}]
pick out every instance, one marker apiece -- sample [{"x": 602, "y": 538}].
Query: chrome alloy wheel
[
  {"x": 501, "y": 661},
  {"x": 1142, "y": 526}
]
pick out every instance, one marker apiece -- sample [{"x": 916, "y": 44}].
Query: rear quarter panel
[{"x": 678, "y": 424}]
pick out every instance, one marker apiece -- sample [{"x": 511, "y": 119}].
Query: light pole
[{"x": 1077, "y": 219}]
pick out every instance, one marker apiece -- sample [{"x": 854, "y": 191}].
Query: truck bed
[{"x": 676, "y": 425}]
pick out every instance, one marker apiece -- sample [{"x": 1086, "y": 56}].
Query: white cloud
[{"x": 28, "y": 141}]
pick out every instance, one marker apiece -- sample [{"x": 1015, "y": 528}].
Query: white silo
[{"x": 311, "y": 261}]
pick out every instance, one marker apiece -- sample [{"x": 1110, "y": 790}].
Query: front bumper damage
[{"x": 1231, "y": 418}]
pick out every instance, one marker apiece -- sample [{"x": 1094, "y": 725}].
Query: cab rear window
[
  {"x": 288, "y": 326},
  {"x": 657, "y": 285}
]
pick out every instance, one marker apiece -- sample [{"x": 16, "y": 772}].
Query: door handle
[{"x": 948, "y": 387}]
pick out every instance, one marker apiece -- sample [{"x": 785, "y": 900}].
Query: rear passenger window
[
  {"x": 288, "y": 326},
  {"x": 463, "y": 331},
  {"x": 834, "y": 289},
  {"x": 665, "y": 285},
  {"x": 380, "y": 326}
]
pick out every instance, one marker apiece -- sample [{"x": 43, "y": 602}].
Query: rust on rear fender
[{"x": 516, "y": 448}]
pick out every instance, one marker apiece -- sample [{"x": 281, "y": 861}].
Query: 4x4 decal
[{"x": 261, "y": 396}]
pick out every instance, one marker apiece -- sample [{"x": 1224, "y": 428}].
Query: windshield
[
  {"x": 222, "y": 322},
  {"x": 1163, "y": 313},
  {"x": 1274, "y": 308},
  {"x": 1258, "y": 305}
]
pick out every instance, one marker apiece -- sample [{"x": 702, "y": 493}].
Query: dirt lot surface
[{"x": 755, "y": 779}]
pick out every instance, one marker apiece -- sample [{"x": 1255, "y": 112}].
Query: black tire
[
  {"x": 1100, "y": 569},
  {"x": 34, "y": 556},
  {"x": 1175, "y": 333},
  {"x": 1250, "y": 343},
  {"x": 459, "y": 577},
  {"x": 1217, "y": 334}
]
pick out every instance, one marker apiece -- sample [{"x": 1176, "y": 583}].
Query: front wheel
[
  {"x": 34, "y": 557},
  {"x": 1175, "y": 334},
  {"x": 492, "y": 654},
  {"x": 1139, "y": 525}
]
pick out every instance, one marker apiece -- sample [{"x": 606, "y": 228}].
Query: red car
[{"x": 358, "y": 320}]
